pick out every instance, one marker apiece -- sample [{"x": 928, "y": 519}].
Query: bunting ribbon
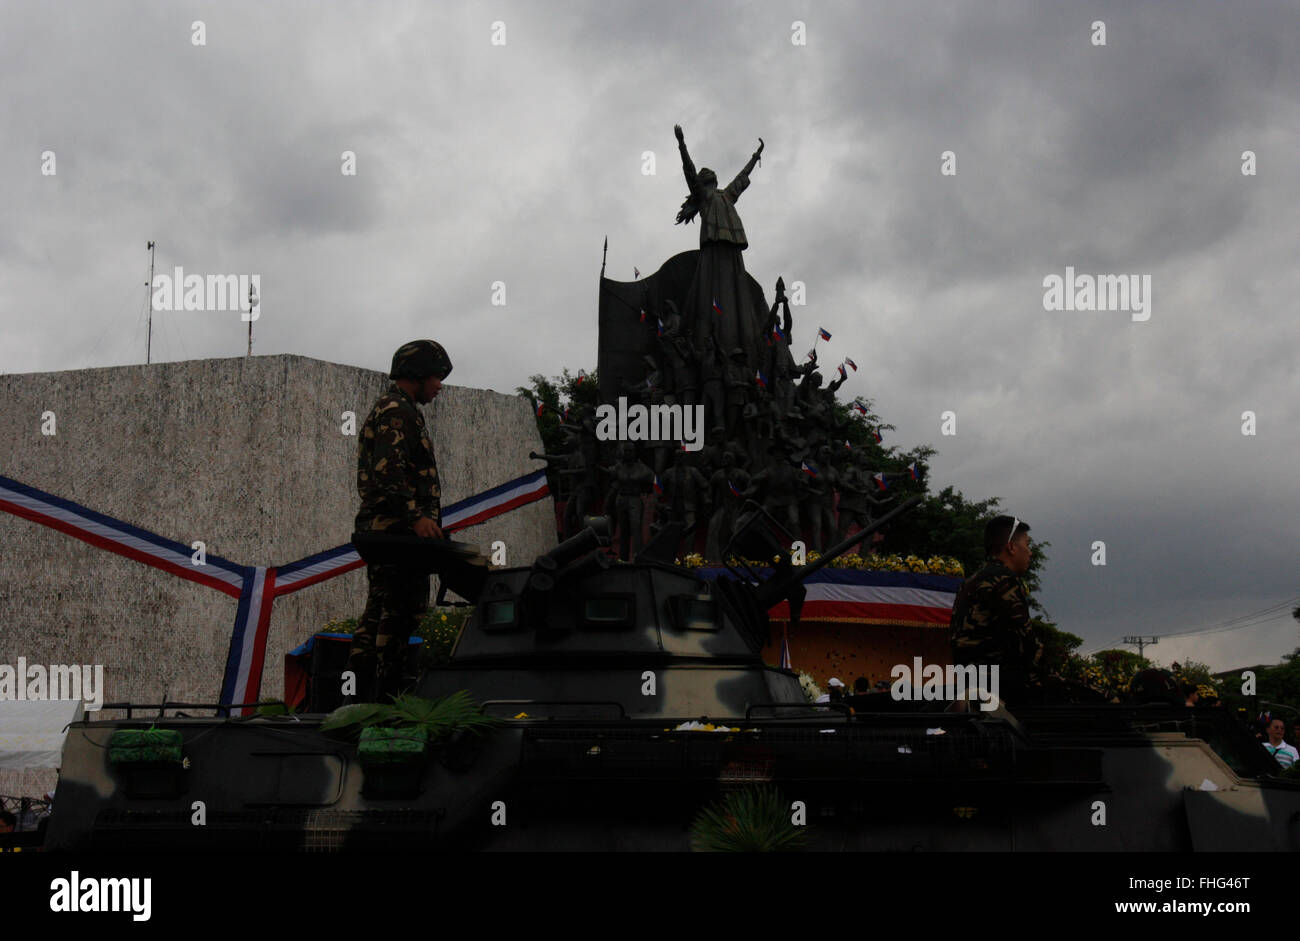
[{"x": 257, "y": 587}]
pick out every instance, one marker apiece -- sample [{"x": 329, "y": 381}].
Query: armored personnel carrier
[{"x": 630, "y": 695}]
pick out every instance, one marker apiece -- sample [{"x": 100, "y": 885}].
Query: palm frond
[
  {"x": 352, "y": 719},
  {"x": 748, "y": 820}
]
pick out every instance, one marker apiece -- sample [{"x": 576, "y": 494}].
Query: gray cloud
[{"x": 479, "y": 163}]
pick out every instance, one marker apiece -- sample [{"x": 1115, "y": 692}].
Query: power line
[{"x": 1254, "y": 619}]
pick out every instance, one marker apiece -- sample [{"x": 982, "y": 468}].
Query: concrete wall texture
[{"x": 245, "y": 454}]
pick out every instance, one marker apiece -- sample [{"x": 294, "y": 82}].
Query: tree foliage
[{"x": 555, "y": 394}]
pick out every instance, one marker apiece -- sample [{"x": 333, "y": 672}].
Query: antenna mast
[{"x": 148, "y": 291}]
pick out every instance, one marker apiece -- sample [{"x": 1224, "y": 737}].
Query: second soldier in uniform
[
  {"x": 397, "y": 478},
  {"x": 990, "y": 617}
]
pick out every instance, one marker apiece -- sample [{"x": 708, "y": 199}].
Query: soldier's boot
[
  {"x": 361, "y": 663},
  {"x": 392, "y": 669}
]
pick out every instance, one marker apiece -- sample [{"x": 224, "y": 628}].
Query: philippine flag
[
  {"x": 659, "y": 487},
  {"x": 540, "y": 407},
  {"x": 879, "y": 478},
  {"x": 859, "y": 407},
  {"x": 564, "y": 415},
  {"x": 914, "y": 471},
  {"x": 581, "y": 376},
  {"x": 808, "y": 468},
  {"x": 844, "y": 373},
  {"x": 777, "y": 333},
  {"x": 851, "y": 363},
  {"x": 661, "y": 328},
  {"x": 732, "y": 488},
  {"x": 716, "y": 309},
  {"x": 761, "y": 380},
  {"x": 821, "y": 332},
  {"x": 643, "y": 316},
  {"x": 847, "y": 446},
  {"x": 875, "y": 433}
]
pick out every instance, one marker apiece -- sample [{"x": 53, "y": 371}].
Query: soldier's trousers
[{"x": 398, "y": 598}]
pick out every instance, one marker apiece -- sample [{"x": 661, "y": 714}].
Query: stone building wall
[{"x": 245, "y": 454}]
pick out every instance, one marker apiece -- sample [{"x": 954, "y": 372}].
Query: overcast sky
[{"x": 479, "y": 162}]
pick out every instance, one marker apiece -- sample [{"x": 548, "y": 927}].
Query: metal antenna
[
  {"x": 148, "y": 290},
  {"x": 251, "y": 298}
]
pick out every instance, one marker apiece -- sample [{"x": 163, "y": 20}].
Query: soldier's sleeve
[
  {"x": 1013, "y": 604},
  {"x": 1013, "y": 610},
  {"x": 392, "y": 470}
]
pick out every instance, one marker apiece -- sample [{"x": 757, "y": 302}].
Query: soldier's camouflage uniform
[
  {"x": 397, "y": 477},
  {"x": 990, "y": 625}
]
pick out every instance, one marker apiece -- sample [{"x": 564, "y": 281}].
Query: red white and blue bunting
[{"x": 256, "y": 587}]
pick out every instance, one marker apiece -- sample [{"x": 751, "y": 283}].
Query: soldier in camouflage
[
  {"x": 397, "y": 478},
  {"x": 990, "y": 617}
]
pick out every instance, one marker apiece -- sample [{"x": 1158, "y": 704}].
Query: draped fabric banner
[
  {"x": 256, "y": 587},
  {"x": 856, "y": 596}
]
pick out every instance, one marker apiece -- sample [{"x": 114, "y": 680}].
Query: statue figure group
[{"x": 771, "y": 430}]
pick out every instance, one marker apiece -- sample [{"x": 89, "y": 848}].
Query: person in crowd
[{"x": 1284, "y": 754}]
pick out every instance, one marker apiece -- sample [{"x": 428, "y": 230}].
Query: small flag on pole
[
  {"x": 540, "y": 407},
  {"x": 761, "y": 380},
  {"x": 659, "y": 487},
  {"x": 777, "y": 333},
  {"x": 821, "y": 332},
  {"x": 847, "y": 446},
  {"x": 859, "y": 407},
  {"x": 851, "y": 363},
  {"x": 717, "y": 309},
  {"x": 732, "y": 488},
  {"x": 661, "y": 327},
  {"x": 879, "y": 478},
  {"x": 581, "y": 376},
  {"x": 785, "y": 651},
  {"x": 914, "y": 470},
  {"x": 564, "y": 415},
  {"x": 875, "y": 433},
  {"x": 643, "y": 315},
  {"x": 808, "y": 468},
  {"x": 844, "y": 373}
]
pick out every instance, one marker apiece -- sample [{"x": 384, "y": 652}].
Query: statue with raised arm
[{"x": 720, "y": 301}]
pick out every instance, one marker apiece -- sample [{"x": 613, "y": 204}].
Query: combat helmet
[{"x": 420, "y": 359}]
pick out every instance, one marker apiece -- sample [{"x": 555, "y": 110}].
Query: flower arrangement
[
  {"x": 811, "y": 691},
  {"x": 934, "y": 565},
  {"x": 696, "y": 726},
  {"x": 440, "y": 628}
]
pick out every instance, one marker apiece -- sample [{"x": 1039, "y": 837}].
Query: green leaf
[
  {"x": 357, "y": 716},
  {"x": 748, "y": 820}
]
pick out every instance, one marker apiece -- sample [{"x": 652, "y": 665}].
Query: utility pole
[
  {"x": 1142, "y": 642},
  {"x": 148, "y": 291},
  {"x": 252, "y": 302}
]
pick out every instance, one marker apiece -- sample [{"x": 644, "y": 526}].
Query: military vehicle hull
[
  {"x": 595, "y": 668},
  {"x": 887, "y": 782}
]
